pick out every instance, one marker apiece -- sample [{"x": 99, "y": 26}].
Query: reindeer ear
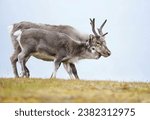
[
  {"x": 91, "y": 37},
  {"x": 89, "y": 41}
]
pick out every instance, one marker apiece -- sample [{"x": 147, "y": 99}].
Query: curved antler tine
[
  {"x": 105, "y": 34},
  {"x": 92, "y": 22},
  {"x": 101, "y": 27}
]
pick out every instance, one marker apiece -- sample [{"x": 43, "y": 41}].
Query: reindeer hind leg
[
  {"x": 22, "y": 59},
  {"x": 14, "y": 59}
]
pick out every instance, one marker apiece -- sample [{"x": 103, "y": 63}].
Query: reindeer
[
  {"x": 52, "y": 46},
  {"x": 98, "y": 40}
]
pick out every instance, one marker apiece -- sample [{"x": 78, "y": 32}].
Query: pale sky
[{"x": 128, "y": 39}]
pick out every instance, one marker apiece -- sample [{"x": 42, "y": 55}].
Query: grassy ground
[{"x": 45, "y": 90}]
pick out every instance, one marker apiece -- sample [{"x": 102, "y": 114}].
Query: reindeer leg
[
  {"x": 69, "y": 70},
  {"x": 26, "y": 69},
  {"x": 57, "y": 64},
  {"x": 14, "y": 59},
  {"x": 27, "y": 72},
  {"x": 22, "y": 59},
  {"x": 74, "y": 70}
]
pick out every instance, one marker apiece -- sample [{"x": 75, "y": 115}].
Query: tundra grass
[{"x": 68, "y": 91}]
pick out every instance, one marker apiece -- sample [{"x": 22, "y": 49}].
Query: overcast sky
[{"x": 128, "y": 39}]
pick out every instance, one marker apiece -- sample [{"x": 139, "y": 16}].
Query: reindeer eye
[{"x": 93, "y": 48}]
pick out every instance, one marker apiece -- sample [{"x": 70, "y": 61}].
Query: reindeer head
[{"x": 98, "y": 40}]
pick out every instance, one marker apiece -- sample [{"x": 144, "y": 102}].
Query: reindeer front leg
[
  {"x": 74, "y": 70},
  {"x": 71, "y": 69},
  {"x": 57, "y": 63}
]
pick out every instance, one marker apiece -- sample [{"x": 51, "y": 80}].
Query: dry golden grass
[{"x": 58, "y": 90}]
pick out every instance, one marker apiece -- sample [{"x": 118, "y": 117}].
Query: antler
[
  {"x": 101, "y": 27},
  {"x": 92, "y": 22},
  {"x": 105, "y": 34}
]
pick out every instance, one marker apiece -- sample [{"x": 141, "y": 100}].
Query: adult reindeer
[{"x": 98, "y": 40}]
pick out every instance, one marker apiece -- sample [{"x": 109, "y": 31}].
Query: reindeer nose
[{"x": 109, "y": 53}]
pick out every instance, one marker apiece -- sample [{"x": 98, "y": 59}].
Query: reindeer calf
[{"x": 52, "y": 46}]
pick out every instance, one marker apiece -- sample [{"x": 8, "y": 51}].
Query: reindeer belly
[
  {"x": 46, "y": 57},
  {"x": 73, "y": 60},
  {"x": 43, "y": 56}
]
